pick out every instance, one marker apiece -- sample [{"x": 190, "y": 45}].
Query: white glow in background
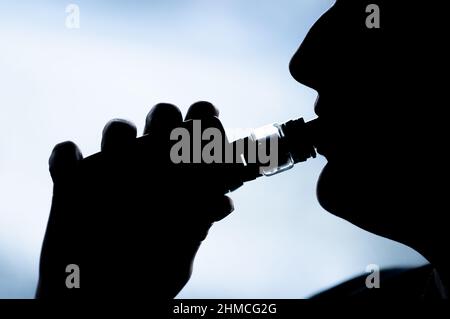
[{"x": 58, "y": 84}]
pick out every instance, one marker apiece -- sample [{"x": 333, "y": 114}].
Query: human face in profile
[{"x": 369, "y": 104}]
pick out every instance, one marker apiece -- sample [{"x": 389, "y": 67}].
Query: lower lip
[{"x": 322, "y": 150}]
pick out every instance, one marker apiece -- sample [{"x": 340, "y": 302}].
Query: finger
[
  {"x": 207, "y": 113},
  {"x": 201, "y": 110},
  {"x": 215, "y": 206},
  {"x": 117, "y": 135},
  {"x": 63, "y": 161},
  {"x": 163, "y": 117},
  {"x": 211, "y": 211},
  {"x": 227, "y": 207}
]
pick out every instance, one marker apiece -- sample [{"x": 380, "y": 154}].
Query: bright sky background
[{"x": 58, "y": 84}]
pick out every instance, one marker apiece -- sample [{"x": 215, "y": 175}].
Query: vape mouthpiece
[{"x": 273, "y": 149}]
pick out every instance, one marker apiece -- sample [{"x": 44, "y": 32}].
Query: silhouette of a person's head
[{"x": 381, "y": 104}]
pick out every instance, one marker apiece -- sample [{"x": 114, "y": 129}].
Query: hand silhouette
[{"x": 131, "y": 223}]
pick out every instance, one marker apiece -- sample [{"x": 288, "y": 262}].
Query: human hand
[{"x": 131, "y": 224}]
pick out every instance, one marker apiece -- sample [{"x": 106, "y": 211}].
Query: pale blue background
[{"x": 58, "y": 84}]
